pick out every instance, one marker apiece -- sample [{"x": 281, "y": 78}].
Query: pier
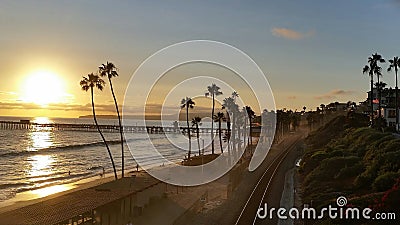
[{"x": 24, "y": 124}]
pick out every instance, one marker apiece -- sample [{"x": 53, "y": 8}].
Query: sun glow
[{"x": 43, "y": 88}]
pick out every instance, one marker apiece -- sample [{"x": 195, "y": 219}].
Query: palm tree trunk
[
  {"x": 250, "y": 129},
  {"x": 239, "y": 132},
  {"x": 198, "y": 138},
  {"x": 379, "y": 102},
  {"x": 220, "y": 136},
  {"x": 372, "y": 100},
  {"x": 120, "y": 128},
  {"x": 228, "y": 124},
  {"x": 212, "y": 125},
  {"x": 396, "y": 102},
  {"x": 244, "y": 132},
  {"x": 102, "y": 136},
  {"x": 233, "y": 136},
  {"x": 187, "y": 123}
]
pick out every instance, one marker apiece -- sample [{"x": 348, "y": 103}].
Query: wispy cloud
[
  {"x": 333, "y": 94},
  {"x": 290, "y": 34}
]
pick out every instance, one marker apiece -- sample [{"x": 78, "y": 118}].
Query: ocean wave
[
  {"x": 42, "y": 183},
  {"x": 66, "y": 147}
]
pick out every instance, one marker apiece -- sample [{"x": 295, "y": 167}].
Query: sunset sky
[{"x": 312, "y": 52}]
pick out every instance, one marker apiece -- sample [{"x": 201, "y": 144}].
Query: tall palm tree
[
  {"x": 250, "y": 117},
  {"x": 373, "y": 69},
  {"x": 213, "y": 91},
  {"x": 196, "y": 122},
  {"x": 395, "y": 64},
  {"x": 219, "y": 117},
  {"x": 240, "y": 121},
  {"x": 109, "y": 70},
  {"x": 233, "y": 110},
  {"x": 227, "y": 135},
  {"x": 90, "y": 82},
  {"x": 188, "y": 103},
  {"x": 367, "y": 69},
  {"x": 378, "y": 72}
]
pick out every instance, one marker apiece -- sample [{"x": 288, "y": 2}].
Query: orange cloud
[{"x": 290, "y": 34}]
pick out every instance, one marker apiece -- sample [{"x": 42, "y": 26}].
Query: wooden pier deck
[{"x": 20, "y": 125}]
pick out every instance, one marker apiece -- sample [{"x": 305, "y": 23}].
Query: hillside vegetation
[{"x": 346, "y": 158}]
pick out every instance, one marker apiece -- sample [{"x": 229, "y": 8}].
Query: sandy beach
[{"x": 91, "y": 194}]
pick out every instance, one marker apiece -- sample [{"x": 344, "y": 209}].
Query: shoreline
[
  {"x": 26, "y": 198},
  {"x": 92, "y": 199},
  {"x": 135, "y": 183}
]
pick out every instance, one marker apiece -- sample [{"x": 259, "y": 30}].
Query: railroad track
[{"x": 248, "y": 215}]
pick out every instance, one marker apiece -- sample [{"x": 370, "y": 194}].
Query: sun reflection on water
[
  {"x": 40, "y": 165},
  {"x": 42, "y": 120},
  {"x": 41, "y": 137},
  {"x": 40, "y": 140}
]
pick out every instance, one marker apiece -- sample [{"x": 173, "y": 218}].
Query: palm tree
[
  {"x": 380, "y": 86},
  {"x": 219, "y": 117},
  {"x": 227, "y": 135},
  {"x": 395, "y": 64},
  {"x": 250, "y": 115},
  {"x": 373, "y": 68},
  {"x": 188, "y": 103},
  {"x": 378, "y": 72},
  {"x": 235, "y": 95},
  {"x": 233, "y": 110},
  {"x": 90, "y": 82},
  {"x": 240, "y": 121},
  {"x": 214, "y": 91},
  {"x": 196, "y": 122},
  {"x": 367, "y": 69},
  {"x": 109, "y": 70}
]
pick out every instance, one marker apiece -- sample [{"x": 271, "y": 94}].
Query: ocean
[{"x": 38, "y": 158}]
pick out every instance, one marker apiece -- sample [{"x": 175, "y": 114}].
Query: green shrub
[
  {"x": 385, "y": 181},
  {"x": 350, "y": 171}
]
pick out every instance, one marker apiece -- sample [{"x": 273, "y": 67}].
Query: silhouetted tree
[
  {"x": 233, "y": 109},
  {"x": 188, "y": 103},
  {"x": 250, "y": 117},
  {"x": 240, "y": 121},
  {"x": 395, "y": 64},
  {"x": 213, "y": 91},
  {"x": 227, "y": 134},
  {"x": 88, "y": 83},
  {"x": 109, "y": 70},
  {"x": 219, "y": 117},
  {"x": 196, "y": 122},
  {"x": 374, "y": 69},
  {"x": 295, "y": 119}
]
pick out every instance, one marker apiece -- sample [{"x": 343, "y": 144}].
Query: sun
[{"x": 43, "y": 88}]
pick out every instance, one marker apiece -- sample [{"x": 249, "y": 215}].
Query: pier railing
[{"x": 20, "y": 125}]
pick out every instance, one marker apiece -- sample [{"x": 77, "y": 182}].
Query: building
[{"x": 388, "y": 100}]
